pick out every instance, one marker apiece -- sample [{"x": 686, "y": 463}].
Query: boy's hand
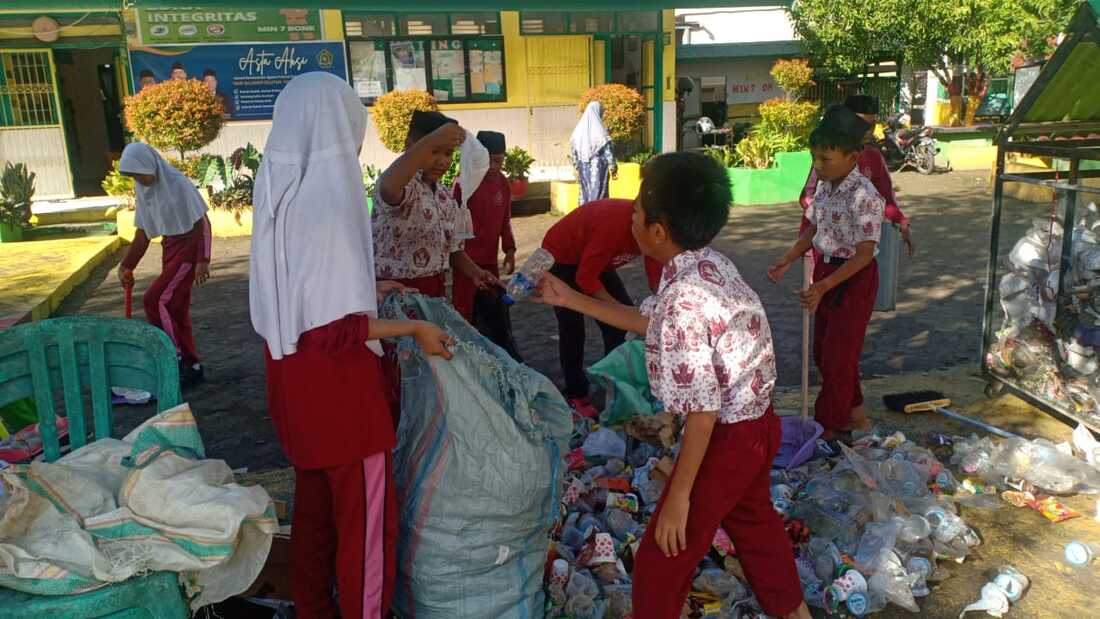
[
  {"x": 125, "y": 277},
  {"x": 485, "y": 280},
  {"x": 907, "y": 236},
  {"x": 553, "y": 291},
  {"x": 202, "y": 273},
  {"x": 778, "y": 270},
  {"x": 671, "y": 533},
  {"x": 509, "y": 262},
  {"x": 386, "y": 286},
  {"x": 433, "y": 340},
  {"x": 449, "y": 136},
  {"x": 811, "y": 297}
]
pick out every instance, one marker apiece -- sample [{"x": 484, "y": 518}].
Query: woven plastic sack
[
  {"x": 623, "y": 376},
  {"x": 478, "y": 469}
]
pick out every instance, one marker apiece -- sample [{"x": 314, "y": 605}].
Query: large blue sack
[{"x": 478, "y": 468}]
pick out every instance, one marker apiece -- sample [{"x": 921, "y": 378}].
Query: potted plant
[
  {"x": 235, "y": 178},
  {"x": 16, "y": 195},
  {"x": 516, "y": 166}
]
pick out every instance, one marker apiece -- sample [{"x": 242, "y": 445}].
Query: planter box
[
  {"x": 222, "y": 224},
  {"x": 11, "y": 234},
  {"x": 776, "y": 185}
]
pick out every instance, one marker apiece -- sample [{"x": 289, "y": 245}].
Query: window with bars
[
  {"x": 588, "y": 22},
  {"x": 447, "y": 54},
  {"x": 27, "y": 90}
]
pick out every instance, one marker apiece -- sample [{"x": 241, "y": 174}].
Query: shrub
[
  {"x": 789, "y": 119},
  {"x": 448, "y": 178},
  {"x": 757, "y": 150},
  {"x": 793, "y": 76},
  {"x": 623, "y": 109},
  {"x": 177, "y": 115},
  {"x": 16, "y": 194},
  {"x": 235, "y": 177},
  {"x": 118, "y": 185},
  {"x": 642, "y": 157},
  {"x": 393, "y": 111},
  {"x": 725, "y": 156},
  {"x": 191, "y": 167},
  {"x": 371, "y": 174},
  {"x": 517, "y": 163}
]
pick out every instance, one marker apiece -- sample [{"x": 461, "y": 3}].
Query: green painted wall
[{"x": 776, "y": 185}]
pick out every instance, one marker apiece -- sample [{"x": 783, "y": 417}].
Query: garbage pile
[
  {"x": 1048, "y": 338},
  {"x": 868, "y": 524}
]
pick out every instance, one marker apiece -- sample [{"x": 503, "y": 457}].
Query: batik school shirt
[
  {"x": 491, "y": 212},
  {"x": 415, "y": 238},
  {"x": 847, "y": 212},
  {"x": 595, "y": 238},
  {"x": 708, "y": 346}
]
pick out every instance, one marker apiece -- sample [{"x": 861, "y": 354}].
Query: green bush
[
  {"x": 623, "y": 109},
  {"x": 392, "y": 113},
  {"x": 793, "y": 76},
  {"x": 792, "y": 121},
  {"x": 371, "y": 174},
  {"x": 178, "y": 115},
  {"x": 118, "y": 185},
  {"x": 16, "y": 194},
  {"x": 451, "y": 174},
  {"x": 517, "y": 163},
  {"x": 236, "y": 177},
  {"x": 642, "y": 157},
  {"x": 725, "y": 156}
]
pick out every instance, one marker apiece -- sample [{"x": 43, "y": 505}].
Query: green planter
[
  {"x": 10, "y": 233},
  {"x": 778, "y": 184}
]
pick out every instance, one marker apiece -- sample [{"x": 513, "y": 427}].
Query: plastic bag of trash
[
  {"x": 604, "y": 443},
  {"x": 1040, "y": 463},
  {"x": 478, "y": 468},
  {"x": 624, "y": 378}
]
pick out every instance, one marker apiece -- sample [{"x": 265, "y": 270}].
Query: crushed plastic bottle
[
  {"x": 524, "y": 281},
  {"x": 1079, "y": 554}
]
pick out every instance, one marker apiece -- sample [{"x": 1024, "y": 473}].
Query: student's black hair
[
  {"x": 841, "y": 129},
  {"x": 689, "y": 193},
  {"x": 423, "y": 123},
  {"x": 146, "y": 73},
  {"x": 177, "y": 65},
  {"x": 210, "y": 72}
]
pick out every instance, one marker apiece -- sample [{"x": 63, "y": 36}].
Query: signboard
[
  {"x": 1025, "y": 77},
  {"x": 750, "y": 81},
  {"x": 247, "y": 78},
  {"x": 188, "y": 26}
]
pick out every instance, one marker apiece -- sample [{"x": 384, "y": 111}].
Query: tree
[
  {"x": 180, "y": 115},
  {"x": 963, "y": 42}
]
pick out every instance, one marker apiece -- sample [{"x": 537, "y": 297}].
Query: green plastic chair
[{"x": 69, "y": 354}]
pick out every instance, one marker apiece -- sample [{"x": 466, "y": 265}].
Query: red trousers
[
  {"x": 731, "y": 490},
  {"x": 435, "y": 286},
  {"x": 840, "y": 324},
  {"x": 168, "y": 300},
  {"x": 345, "y": 532}
]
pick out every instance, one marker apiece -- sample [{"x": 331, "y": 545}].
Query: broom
[
  {"x": 935, "y": 401},
  {"x": 129, "y": 305}
]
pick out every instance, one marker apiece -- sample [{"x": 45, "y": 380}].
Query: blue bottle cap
[
  {"x": 857, "y": 603},
  {"x": 1078, "y": 554}
]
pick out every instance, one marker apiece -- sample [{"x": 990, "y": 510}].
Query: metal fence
[
  {"x": 27, "y": 90},
  {"x": 827, "y": 91}
]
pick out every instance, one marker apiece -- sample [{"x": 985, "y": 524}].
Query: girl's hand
[
  {"x": 202, "y": 273},
  {"x": 484, "y": 280},
  {"x": 778, "y": 270},
  {"x": 125, "y": 277},
  {"x": 811, "y": 297},
  {"x": 432, "y": 340},
  {"x": 385, "y": 286},
  {"x": 671, "y": 533},
  {"x": 553, "y": 291}
]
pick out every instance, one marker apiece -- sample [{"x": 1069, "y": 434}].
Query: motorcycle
[{"x": 908, "y": 147}]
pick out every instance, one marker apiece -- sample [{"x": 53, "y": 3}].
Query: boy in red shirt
[
  {"x": 588, "y": 245},
  {"x": 709, "y": 358},
  {"x": 845, "y": 224},
  {"x": 491, "y": 212}
]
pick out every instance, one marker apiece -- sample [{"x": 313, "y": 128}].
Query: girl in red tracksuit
[{"x": 168, "y": 206}]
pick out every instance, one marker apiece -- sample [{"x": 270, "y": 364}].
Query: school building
[{"x": 513, "y": 66}]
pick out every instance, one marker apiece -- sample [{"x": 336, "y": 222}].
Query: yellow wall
[{"x": 668, "y": 67}]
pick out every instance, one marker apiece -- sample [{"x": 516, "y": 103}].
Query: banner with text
[
  {"x": 246, "y": 78},
  {"x": 198, "y": 25}
]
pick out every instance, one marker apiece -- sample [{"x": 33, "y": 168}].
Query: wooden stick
[{"x": 807, "y": 277}]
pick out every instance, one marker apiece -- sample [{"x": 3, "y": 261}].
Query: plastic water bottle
[
  {"x": 1080, "y": 554},
  {"x": 524, "y": 281}
]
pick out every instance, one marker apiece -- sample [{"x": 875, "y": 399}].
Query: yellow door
[{"x": 649, "y": 89}]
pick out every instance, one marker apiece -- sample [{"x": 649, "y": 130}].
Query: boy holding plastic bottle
[
  {"x": 845, "y": 224},
  {"x": 588, "y": 245},
  {"x": 490, "y": 207},
  {"x": 710, "y": 360}
]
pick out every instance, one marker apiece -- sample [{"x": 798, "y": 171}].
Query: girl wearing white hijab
[
  {"x": 592, "y": 154},
  {"x": 169, "y": 206},
  {"x": 313, "y": 299}
]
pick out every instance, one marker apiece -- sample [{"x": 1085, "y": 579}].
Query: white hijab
[
  {"x": 312, "y": 254},
  {"x": 169, "y": 206},
  {"x": 589, "y": 136}
]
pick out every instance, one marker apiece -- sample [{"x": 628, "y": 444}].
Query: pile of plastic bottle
[{"x": 868, "y": 524}]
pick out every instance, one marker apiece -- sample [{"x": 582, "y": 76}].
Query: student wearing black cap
[
  {"x": 491, "y": 211},
  {"x": 873, "y": 165},
  {"x": 845, "y": 224}
]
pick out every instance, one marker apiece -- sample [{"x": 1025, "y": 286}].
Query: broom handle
[
  {"x": 974, "y": 422},
  {"x": 807, "y": 276},
  {"x": 129, "y": 305}
]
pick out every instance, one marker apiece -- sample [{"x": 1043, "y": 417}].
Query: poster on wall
[
  {"x": 204, "y": 25},
  {"x": 750, "y": 81},
  {"x": 246, "y": 78}
]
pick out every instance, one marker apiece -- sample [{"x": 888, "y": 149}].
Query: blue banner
[{"x": 246, "y": 78}]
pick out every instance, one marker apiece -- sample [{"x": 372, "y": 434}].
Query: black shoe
[{"x": 190, "y": 375}]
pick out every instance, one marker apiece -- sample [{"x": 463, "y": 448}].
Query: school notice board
[{"x": 247, "y": 78}]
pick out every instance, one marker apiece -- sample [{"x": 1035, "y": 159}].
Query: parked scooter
[{"x": 908, "y": 147}]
